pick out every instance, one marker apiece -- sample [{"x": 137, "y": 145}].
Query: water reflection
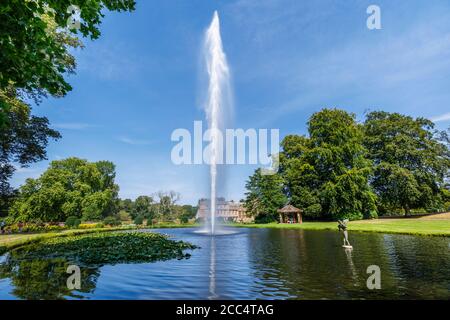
[
  {"x": 44, "y": 279},
  {"x": 212, "y": 270},
  {"x": 252, "y": 264},
  {"x": 351, "y": 265}
]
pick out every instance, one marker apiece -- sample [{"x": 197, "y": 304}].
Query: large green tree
[
  {"x": 327, "y": 173},
  {"x": 145, "y": 207},
  {"x": 70, "y": 187},
  {"x": 411, "y": 161},
  {"x": 23, "y": 140},
  {"x": 264, "y": 196},
  {"x": 35, "y": 43}
]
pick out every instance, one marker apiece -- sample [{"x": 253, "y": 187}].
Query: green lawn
[{"x": 415, "y": 226}]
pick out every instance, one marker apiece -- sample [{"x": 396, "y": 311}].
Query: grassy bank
[{"x": 438, "y": 225}]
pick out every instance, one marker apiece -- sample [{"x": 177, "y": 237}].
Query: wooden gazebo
[{"x": 290, "y": 214}]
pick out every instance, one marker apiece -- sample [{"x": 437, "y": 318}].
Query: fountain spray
[{"x": 216, "y": 104}]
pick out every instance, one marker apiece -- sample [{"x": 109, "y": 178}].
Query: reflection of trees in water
[
  {"x": 422, "y": 265},
  {"x": 44, "y": 278},
  {"x": 313, "y": 265}
]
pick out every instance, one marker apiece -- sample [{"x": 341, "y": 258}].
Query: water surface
[{"x": 254, "y": 264}]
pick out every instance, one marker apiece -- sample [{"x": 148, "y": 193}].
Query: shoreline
[
  {"x": 416, "y": 226},
  {"x": 12, "y": 241},
  {"x": 422, "y": 226}
]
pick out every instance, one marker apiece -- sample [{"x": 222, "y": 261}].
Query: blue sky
[{"x": 288, "y": 59}]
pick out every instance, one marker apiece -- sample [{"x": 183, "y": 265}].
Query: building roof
[{"x": 289, "y": 209}]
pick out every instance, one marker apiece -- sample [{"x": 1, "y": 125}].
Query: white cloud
[
  {"x": 73, "y": 126},
  {"x": 442, "y": 117},
  {"x": 408, "y": 62},
  {"x": 133, "y": 141},
  {"x": 107, "y": 61},
  {"x": 20, "y": 169}
]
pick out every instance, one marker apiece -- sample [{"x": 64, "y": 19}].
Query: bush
[
  {"x": 30, "y": 227},
  {"x": 112, "y": 221},
  {"x": 91, "y": 225},
  {"x": 73, "y": 222},
  {"x": 265, "y": 218},
  {"x": 351, "y": 216},
  {"x": 447, "y": 206},
  {"x": 184, "y": 219},
  {"x": 139, "y": 220},
  {"x": 371, "y": 215},
  {"x": 314, "y": 211}
]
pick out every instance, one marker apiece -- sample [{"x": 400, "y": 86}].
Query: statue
[{"x": 342, "y": 226}]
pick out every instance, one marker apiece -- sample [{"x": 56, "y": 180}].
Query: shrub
[
  {"x": 353, "y": 216},
  {"x": 313, "y": 211},
  {"x": 139, "y": 220},
  {"x": 30, "y": 227},
  {"x": 73, "y": 222},
  {"x": 91, "y": 225},
  {"x": 112, "y": 221},
  {"x": 447, "y": 206},
  {"x": 265, "y": 218},
  {"x": 371, "y": 215}
]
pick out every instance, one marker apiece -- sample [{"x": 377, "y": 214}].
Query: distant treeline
[
  {"x": 389, "y": 164},
  {"x": 87, "y": 191}
]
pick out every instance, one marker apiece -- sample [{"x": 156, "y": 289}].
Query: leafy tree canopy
[
  {"x": 33, "y": 55},
  {"x": 70, "y": 187},
  {"x": 411, "y": 160},
  {"x": 327, "y": 173},
  {"x": 264, "y": 196}
]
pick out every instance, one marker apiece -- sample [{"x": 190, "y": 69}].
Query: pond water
[{"x": 253, "y": 264}]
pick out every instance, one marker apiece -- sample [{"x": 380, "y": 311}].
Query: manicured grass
[{"x": 414, "y": 226}]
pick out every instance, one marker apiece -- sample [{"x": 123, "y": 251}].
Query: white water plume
[{"x": 218, "y": 105}]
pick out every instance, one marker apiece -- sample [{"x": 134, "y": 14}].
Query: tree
[
  {"x": 34, "y": 58},
  {"x": 167, "y": 204},
  {"x": 143, "y": 207},
  {"x": 264, "y": 196},
  {"x": 32, "y": 54},
  {"x": 23, "y": 140},
  {"x": 187, "y": 212},
  {"x": 126, "y": 205},
  {"x": 327, "y": 173},
  {"x": 70, "y": 187},
  {"x": 411, "y": 160}
]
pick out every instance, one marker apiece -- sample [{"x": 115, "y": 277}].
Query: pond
[{"x": 253, "y": 264}]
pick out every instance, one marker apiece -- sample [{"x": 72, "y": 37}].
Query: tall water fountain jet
[{"x": 217, "y": 104}]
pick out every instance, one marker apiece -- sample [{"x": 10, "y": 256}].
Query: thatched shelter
[{"x": 290, "y": 214}]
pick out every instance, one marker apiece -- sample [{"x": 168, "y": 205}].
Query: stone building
[{"x": 225, "y": 210}]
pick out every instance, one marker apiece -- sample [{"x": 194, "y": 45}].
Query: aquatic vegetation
[{"x": 106, "y": 248}]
